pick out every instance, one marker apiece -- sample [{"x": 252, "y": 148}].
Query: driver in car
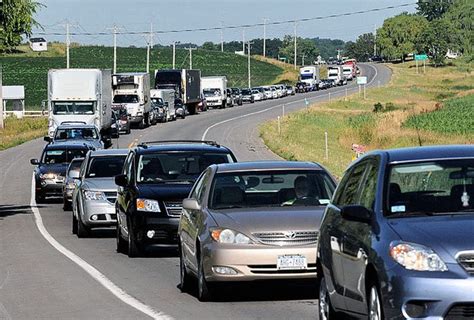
[{"x": 303, "y": 194}]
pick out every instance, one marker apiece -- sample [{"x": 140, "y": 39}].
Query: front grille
[
  {"x": 466, "y": 260},
  {"x": 173, "y": 208},
  {"x": 461, "y": 312},
  {"x": 290, "y": 238},
  {"x": 111, "y": 196}
]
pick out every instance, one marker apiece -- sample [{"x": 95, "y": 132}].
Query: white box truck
[
  {"x": 132, "y": 90},
  {"x": 310, "y": 75},
  {"x": 336, "y": 74},
  {"x": 80, "y": 96},
  {"x": 215, "y": 91},
  {"x": 186, "y": 83},
  {"x": 168, "y": 96},
  {"x": 348, "y": 72}
]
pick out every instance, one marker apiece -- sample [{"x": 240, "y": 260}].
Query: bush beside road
[{"x": 386, "y": 119}]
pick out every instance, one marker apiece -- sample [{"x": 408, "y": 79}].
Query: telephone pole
[
  {"x": 115, "y": 30},
  {"x": 68, "y": 43},
  {"x": 174, "y": 54},
  {"x": 302, "y": 60},
  {"x": 222, "y": 37},
  {"x": 295, "y": 45},
  {"x": 265, "y": 36},
  {"x": 375, "y": 40},
  {"x": 248, "y": 63},
  {"x": 243, "y": 40},
  {"x": 191, "y": 49},
  {"x": 148, "y": 48}
]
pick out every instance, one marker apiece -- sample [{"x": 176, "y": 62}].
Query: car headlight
[
  {"x": 229, "y": 236},
  {"x": 48, "y": 176},
  {"x": 94, "y": 195},
  {"x": 416, "y": 257},
  {"x": 148, "y": 205}
]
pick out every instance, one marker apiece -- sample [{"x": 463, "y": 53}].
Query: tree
[
  {"x": 398, "y": 35},
  {"x": 437, "y": 38},
  {"x": 16, "y": 18},
  {"x": 361, "y": 49},
  {"x": 461, "y": 15},
  {"x": 304, "y": 47},
  {"x": 433, "y": 9},
  {"x": 208, "y": 45}
]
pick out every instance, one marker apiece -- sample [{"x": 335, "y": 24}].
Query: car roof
[
  {"x": 267, "y": 166},
  {"x": 427, "y": 153},
  {"x": 67, "y": 145},
  {"x": 109, "y": 152},
  {"x": 76, "y": 126},
  {"x": 182, "y": 146}
]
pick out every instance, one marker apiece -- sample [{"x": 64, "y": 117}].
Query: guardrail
[{"x": 26, "y": 114}]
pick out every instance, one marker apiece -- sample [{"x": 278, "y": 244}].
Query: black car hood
[
  {"x": 446, "y": 235},
  {"x": 166, "y": 191},
  {"x": 58, "y": 168}
]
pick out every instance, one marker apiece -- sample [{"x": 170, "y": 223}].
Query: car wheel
[
  {"x": 39, "y": 198},
  {"x": 204, "y": 288},
  {"x": 185, "y": 278},
  {"x": 121, "y": 245},
  {"x": 66, "y": 205},
  {"x": 128, "y": 130},
  {"x": 74, "y": 224},
  {"x": 374, "y": 303},
  {"x": 82, "y": 230},
  {"x": 133, "y": 249},
  {"x": 326, "y": 311}
]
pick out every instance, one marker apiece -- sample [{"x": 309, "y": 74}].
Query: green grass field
[{"x": 31, "y": 70}]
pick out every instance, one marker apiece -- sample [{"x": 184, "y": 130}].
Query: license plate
[{"x": 295, "y": 262}]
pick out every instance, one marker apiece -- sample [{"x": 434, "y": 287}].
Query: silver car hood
[
  {"x": 255, "y": 220},
  {"x": 100, "y": 184}
]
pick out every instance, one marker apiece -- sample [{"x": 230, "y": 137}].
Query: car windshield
[
  {"x": 105, "y": 166},
  {"x": 235, "y": 90},
  {"x": 56, "y": 156},
  {"x": 176, "y": 166},
  {"x": 126, "y": 98},
  {"x": 246, "y": 92},
  {"x": 435, "y": 187},
  {"x": 80, "y": 107},
  {"x": 211, "y": 92},
  {"x": 271, "y": 189},
  {"x": 76, "y": 133},
  {"x": 74, "y": 166},
  {"x": 157, "y": 101}
]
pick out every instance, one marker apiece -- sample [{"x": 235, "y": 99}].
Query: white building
[{"x": 38, "y": 44}]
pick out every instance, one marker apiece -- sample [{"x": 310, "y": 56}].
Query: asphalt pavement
[{"x": 47, "y": 273}]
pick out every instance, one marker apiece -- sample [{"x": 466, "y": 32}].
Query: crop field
[{"x": 32, "y": 71}]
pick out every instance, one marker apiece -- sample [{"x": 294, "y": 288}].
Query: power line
[{"x": 338, "y": 15}]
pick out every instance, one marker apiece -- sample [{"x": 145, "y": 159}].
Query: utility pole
[
  {"x": 1, "y": 100},
  {"x": 191, "y": 56},
  {"x": 375, "y": 40},
  {"x": 248, "y": 62},
  {"x": 265, "y": 36},
  {"x": 295, "y": 45},
  {"x": 68, "y": 43},
  {"x": 302, "y": 59},
  {"x": 222, "y": 37},
  {"x": 115, "y": 29},
  {"x": 148, "y": 47},
  {"x": 151, "y": 35},
  {"x": 174, "y": 54},
  {"x": 243, "y": 40}
]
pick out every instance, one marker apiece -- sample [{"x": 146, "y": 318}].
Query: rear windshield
[
  {"x": 76, "y": 133},
  {"x": 105, "y": 167},
  {"x": 126, "y": 98},
  {"x": 271, "y": 189}
]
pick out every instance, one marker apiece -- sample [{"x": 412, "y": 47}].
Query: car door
[
  {"x": 357, "y": 241},
  {"x": 124, "y": 193},
  {"x": 77, "y": 193},
  {"x": 191, "y": 221}
]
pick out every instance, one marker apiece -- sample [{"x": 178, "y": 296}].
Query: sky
[{"x": 94, "y": 16}]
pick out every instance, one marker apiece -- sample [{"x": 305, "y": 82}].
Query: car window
[
  {"x": 128, "y": 168},
  {"x": 349, "y": 195},
  {"x": 367, "y": 196},
  {"x": 105, "y": 167}
]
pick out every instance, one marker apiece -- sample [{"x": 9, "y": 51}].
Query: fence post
[
  {"x": 326, "y": 145},
  {"x": 279, "y": 126}
]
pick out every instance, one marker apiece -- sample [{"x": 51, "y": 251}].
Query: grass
[
  {"x": 18, "y": 131},
  {"x": 30, "y": 69},
  {"x": 439, "y": 103}
]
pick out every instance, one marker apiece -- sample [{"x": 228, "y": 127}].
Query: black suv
[
  {"x": 51, "y": 167},
  {"x": 157, "y": 176}
]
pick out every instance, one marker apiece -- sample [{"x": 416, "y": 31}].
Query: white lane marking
[{"x": 93, "y": 272}]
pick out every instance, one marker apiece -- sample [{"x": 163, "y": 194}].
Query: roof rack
[{"x": 208, "y": 142}]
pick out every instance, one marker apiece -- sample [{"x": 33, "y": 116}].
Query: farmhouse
[{"x": 38, "y": 44}]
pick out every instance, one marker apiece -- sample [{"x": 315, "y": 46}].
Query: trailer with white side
[
  {"x": 167, "y": 96},
  {"x": 310, "y": 76},
  {"x": 132, "y": 90},
  {"x": 215, "y": 91},
  {"x": 80, "y": 96},
  {"x": 336, "y": 74}
]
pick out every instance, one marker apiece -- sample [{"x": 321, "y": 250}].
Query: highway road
[{"x": 47, "y": 273}]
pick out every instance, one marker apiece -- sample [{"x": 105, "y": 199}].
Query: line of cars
[{"x": 392, "y": 240}]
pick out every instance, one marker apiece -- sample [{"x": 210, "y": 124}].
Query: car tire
[
  {"x": 133, "y": 248},
  {"x": 121, "y": 245},
  {"x": 66, "y": 205},
  {"x": 74, "y": 224},
  {"x": 82, "y": 229},
  {"x": 128, "y": 130},
  {"x": 204, "y": 290},
  {"x": 185, "y": 278},
  {"x": 39, "y": 198},
  {"x": 326, "y": 311},
  {"x": 374, "y": 303}
]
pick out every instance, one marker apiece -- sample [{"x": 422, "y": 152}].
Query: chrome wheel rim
[
  {"x": 323, "y": 301},
  {"x": 374, "y": 305}
]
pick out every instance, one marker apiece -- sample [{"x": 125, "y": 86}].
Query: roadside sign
[
  {"x": 421, "y": 57},
  {"x": 361, "y": 80}
]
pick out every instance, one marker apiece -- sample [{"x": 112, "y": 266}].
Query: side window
[
  {"x": 350, "y": 192},
  {"x": 197, "y": 186},
  {"x": 82, "y": 171},
  {"x": 204, "y": 186},
  {"x": 367, "y": 196},
  {"x": 128, "y": 168}
]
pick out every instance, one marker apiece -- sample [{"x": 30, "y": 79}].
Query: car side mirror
[
  {"x": 34, "y": 162},
  {"x": 191, "y": 204},
  {"x": 47, "y": 139},
  {"x": 121, "y": 180},
  {"x": 356, "y": 213},
  {"x": 74, "y": 174}
]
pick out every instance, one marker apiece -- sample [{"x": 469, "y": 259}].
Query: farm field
[
  {"x": 427, "y": 109},
  {"x": 31, "y": 71}
]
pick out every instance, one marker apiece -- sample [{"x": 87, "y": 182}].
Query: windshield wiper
[
  {"x": 233, "y": 206},
  {"x": 411, "y": 214}
]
